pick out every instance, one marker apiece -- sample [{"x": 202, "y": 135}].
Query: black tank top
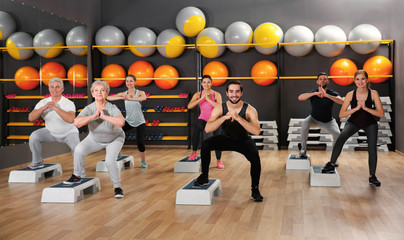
[
  {"x": 361, "y": 118},
  {"x": 234, "y": 129}
]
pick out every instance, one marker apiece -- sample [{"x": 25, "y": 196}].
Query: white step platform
[
  {"x": 382, "y": 125},
  {"x": 351, "y": 147},
  {"x": 190, "y": 195},
  {"x": 26, "y": 175},
  {"x": 268, "y": 124},
  {"x": 318, "y": 179},
  {"x": 123, "y": 162},
  {"x": 188, "y": 166},
  {"x": 266, "y": 139},
  {"x": 269, "y": 132},
  {"x": 358, "y": 139},
  {"x": 295, "y": 162},
  {"x": 267, "y": 146},
  {"x": 63, "y": 193}
]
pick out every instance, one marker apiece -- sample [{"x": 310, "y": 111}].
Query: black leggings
[
  {"x": 200, "y": 126},
  {"x": 371, "y": 134},
  {"x": 246, "y": 147},
  {"x": 140, "y": 132}
]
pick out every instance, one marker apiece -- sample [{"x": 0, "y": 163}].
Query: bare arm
[
  {"x": 141, "y": 96},
  {"x": 36, "y": 113},
  {"x": 84, "y": 120},
  {"x": 218, "y": 99},
  {"x": 216, "y": 119},
  {"x": 344, "y": 112},
  {"x": 119, "y": 96},
  {"x": 305, "y": 96},
  {"x": 195, "y": 100},
  {"x": 117, "y": 120},
  {"x": 336, "y": 99}
]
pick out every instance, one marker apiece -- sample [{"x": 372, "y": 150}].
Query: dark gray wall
[{"x": 275, "y": 102}]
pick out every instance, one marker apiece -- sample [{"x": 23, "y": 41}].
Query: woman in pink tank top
[{"x": 207, "y": 99}]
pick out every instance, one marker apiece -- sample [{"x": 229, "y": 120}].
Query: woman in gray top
[
  {"x": 134, "y": 115},
  {"x": 105, "y": 122}
]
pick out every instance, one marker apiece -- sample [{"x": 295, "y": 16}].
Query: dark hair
[
  {"x": 207, "y": 76},
  {"x": 132, "y": 76},
  {"x": 360, "y": 71},
  {"x": 321, "y": 74},
  {"x": 236, "y": 82}
]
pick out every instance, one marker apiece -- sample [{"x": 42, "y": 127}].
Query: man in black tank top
[{"x": 238, "y": 120}]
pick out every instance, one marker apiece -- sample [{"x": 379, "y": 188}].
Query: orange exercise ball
[
  {"x": 77, "y": 75},
  {"x": 378, "y": 65},
  {"x": 23, "y": 75},
  {"x": 166, "y": 71},
  {"x": 114, "y": 75},
  {"x": 216, "y": 69},
  {"x": 51, "y": 70},
  {"x": 343, "y": 67},
  {"x": 142, "y": 69},
  {"x": 264, "y": 68}
]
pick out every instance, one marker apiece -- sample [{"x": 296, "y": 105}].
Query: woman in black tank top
[{"x": 365, "y": 106}]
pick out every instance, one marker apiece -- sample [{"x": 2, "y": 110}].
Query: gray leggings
[
  {"x": 43, "y": 135},
  {"x": 331, "y": 127},
  {"x": 371, "y": 134},
  {"x": 89, "y": 145}
]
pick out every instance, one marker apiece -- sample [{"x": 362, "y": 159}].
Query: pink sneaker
[
  {"x": 193, "y": 156},
  {"x": 220, "y": 164}
]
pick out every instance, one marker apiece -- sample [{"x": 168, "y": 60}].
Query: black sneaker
[
  {"x": 72, "y": 180},
  {"x": 374, "y": 182},
  {"x": 201, "y": 181},
  {"x": 256, "y": 195},
  {"x": 329, "y": 168},
  {"x": 336, "y": 164},
  {"x": 118, "y": 193}
]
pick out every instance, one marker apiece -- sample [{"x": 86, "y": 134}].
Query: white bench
[
  {"x": 63, "y": 193},
  {"x": 188, "y": 166},
  {"x": 295, "y": 162},
  {"x": 319, "y": 179},
  {"x": 35, "y": 175},
  {"x": 123, "y": 162},
  {"x": 190, "y": 195}
]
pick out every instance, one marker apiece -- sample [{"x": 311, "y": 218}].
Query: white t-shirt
[{"x": 53, "y": 122}]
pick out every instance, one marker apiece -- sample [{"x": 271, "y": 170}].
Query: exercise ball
[
  {"x": 238, "y": 33},
  {"x": 166, "y": 71},
  {"x": 364, "y": 32},
  {"x": 142, "y": 69},
  {"x": 113, "y": 74},
  {"x": 264, "y": 68},
  {"x": 48, "y": 38},
  {"x": 20, "y": 39},
  {"x": 378, "y": 65},
  {"x": 172, "y": 40},
  {"x": 343, "y": 67},
  {"x": 8, "y": 25},
  {"x": 51, "y": 70},
  {"x": 267, "y": 35},
  {"x": 190, "y": 21},
  {"x": 110, "y": 36},
  {"x": 77, "y": 36},
  {"x": 142, "y": 36},
  {"x": 77, "y": 75},
  {"x": 298, "y": 34},
  {"x": 210, "y": 35},
  {"x": 218, "y": 71},
  {"x": 330, "y": 33},
  {"x": 23, "y": 75}
]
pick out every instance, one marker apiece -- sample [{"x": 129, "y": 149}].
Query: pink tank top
[{"x": 206, "y": 107}]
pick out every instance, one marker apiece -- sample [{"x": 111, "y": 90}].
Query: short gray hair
[
  {"x": 56, "y": 80},
  {"x": 99, "y": 82}
]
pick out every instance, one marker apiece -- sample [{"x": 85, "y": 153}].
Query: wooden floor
[{"x": 291, "y": 208}]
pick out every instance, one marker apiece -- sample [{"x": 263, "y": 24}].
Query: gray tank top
[{"x": 134, "y": 115}]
